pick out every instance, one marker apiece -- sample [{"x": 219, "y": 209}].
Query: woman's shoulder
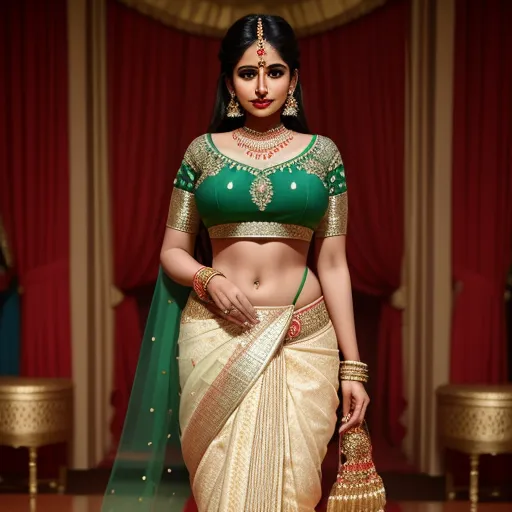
[{"x": 328, "y": 150}]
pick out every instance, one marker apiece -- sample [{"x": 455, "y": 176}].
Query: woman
[{"x": 259, "y": 337}]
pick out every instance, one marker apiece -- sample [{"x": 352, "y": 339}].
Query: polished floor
[{"x": 67, "y": 503}]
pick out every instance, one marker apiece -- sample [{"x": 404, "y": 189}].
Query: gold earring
[
  {"x": 291, "y": 107},
  {"x": 233, "y": 109}
]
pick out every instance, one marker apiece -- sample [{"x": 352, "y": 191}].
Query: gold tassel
[{"x": 358, "y": 487}]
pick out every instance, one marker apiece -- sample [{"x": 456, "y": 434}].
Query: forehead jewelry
[{"x": 261, "y": 44}]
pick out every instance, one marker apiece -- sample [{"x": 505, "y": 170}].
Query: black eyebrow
[{"x": 271, "y": 66}]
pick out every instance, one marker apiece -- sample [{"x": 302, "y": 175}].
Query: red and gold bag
[{"x": 358, "y": 487}]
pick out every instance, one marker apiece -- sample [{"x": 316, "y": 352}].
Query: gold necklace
[{"x": 262, "y": 145}]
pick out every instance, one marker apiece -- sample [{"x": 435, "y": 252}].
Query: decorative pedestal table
[
  {"x": 34, "y": 413},
  {"x": 476, "y": 420}
]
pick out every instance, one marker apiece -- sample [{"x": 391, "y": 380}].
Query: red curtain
[
  {"x": 354, "y": 81},
  {"x": 35, "y": 177},
  {"x": 161, "y": 86},
  {"x": 482, "y": 188},
  {"x": 34, "y": 190}
]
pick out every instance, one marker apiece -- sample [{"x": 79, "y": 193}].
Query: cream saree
[{"x": 258, "y": 407}]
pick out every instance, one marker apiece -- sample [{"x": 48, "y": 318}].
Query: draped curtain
[
  {"x": 161, "y": 85},
  {"x": 354, "y": 82},
  {"x": 482, "y": 189},
  {"x": 34, "y": 175},
  {"x": 34, "y": 186}
]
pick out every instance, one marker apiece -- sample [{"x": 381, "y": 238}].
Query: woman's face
[{"x": 262, "y": 91}]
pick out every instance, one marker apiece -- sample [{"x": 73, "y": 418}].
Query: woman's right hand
[{"x": 230, "y": 302}]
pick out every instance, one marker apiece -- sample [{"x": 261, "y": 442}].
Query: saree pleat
[{"x": 258, "y": 407}]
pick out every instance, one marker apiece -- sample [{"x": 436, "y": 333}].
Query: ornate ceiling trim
[{"x": 214, "y": 17}]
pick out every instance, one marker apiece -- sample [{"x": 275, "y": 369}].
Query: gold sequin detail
[
  {"x": 334, "y": 222},
  {"x": 195, "y": 310},
  {"x": 261, "y": 230},
  {"x": 183, "y": 214}
]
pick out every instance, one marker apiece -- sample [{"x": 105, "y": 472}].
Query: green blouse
[{"x": 293, "y": 199}]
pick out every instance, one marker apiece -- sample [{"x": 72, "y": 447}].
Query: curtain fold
[
  {"x": 161, "y": 86},
  {"x": 34, "y": 176},
  {"x": 354, "y": 82},
  {"x": 482, "y": 189},
  {"x": 34, "y": 190}
]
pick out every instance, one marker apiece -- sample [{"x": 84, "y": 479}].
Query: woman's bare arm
[
  {"x": 179, "y": 264},
  {"x": 334, "y": 278},
  {"x": 176, "y": 256}
]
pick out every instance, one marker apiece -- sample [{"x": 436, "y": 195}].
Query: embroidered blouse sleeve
[
  {"x": 334, "y": 222},
  {"x": 183, "y": 214}
]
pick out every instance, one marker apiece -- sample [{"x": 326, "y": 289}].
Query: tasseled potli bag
[{"x": 358, "y": 487}]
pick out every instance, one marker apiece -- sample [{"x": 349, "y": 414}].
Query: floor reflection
[{"x": 51, "y": 503}]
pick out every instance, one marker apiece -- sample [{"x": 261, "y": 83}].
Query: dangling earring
[
  {"x": 233, "y": 109},
  {"x": 291, "y": 107}
]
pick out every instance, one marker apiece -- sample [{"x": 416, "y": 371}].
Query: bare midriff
[{"x": 267, "y": 271}]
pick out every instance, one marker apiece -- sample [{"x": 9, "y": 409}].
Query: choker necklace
[{"x": 262, "y": 145}]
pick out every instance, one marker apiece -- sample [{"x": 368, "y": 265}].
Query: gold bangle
[
  {"x": 201, "y": 279},
  {"x": 354, "y": 370}
]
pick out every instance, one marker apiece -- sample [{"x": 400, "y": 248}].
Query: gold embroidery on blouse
[
  {"x": 335, "y": 219},
  {"x": 183, "y": 214},
  {"x": 202, "y": 159},
  {"x": 321, "y": 158},
  {"x": 261, "y": 230}
]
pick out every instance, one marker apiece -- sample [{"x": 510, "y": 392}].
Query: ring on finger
[{"x": 226, "y": 311}]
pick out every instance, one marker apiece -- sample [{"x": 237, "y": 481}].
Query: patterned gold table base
[
  {"x": 34, "y": 413},
  {"x": 475, "y": 420}
]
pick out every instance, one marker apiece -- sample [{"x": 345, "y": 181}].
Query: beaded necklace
[{"x": 262, "y": 145}]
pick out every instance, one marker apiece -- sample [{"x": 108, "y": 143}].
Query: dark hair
[{"x": 240, "y": 36}]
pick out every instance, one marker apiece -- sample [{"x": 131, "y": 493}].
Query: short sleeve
[
  {"x": 183, "y": 214},
  {"x": 335, "y": 219}
]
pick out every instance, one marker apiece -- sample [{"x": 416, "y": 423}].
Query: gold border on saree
[
  {"x": 261, "y": 230},
  {"x": 306, "y": 321}
]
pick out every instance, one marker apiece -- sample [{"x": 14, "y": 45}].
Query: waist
[{"x": 306, "y": 321}]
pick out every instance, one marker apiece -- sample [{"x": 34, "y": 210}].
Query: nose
[{"x": 261, "y": 85}]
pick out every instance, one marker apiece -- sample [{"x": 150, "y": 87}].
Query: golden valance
[{"x": 214, "y": 17}]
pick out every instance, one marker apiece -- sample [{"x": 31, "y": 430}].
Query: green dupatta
[{"x": 149, "y": 473}]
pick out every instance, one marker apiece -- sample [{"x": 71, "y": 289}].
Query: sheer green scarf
[{"x": 149, "y": 473}]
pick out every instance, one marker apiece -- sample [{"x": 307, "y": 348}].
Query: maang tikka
[{"x": 291, "y": 107}]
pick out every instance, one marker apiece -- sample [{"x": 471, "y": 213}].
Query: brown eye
[
  {"x": 276, "y": 73},
  {"x": 247, "y": 75}
]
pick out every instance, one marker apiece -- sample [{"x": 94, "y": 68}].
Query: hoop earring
[
  {"x": 233, "y": 109},
  {"x": 291, "y": 107}
]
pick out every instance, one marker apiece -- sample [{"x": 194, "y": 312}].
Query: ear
[
  {"x": 229, "y": 85},
  {"x": 293, "y": 81}
]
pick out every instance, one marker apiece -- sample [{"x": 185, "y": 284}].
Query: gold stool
[
  {"x": 477, "y": 420},
  {"x": 34, "y": 413}
]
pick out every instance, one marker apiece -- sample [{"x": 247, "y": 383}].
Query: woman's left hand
[{"x": 355, "y": 402}]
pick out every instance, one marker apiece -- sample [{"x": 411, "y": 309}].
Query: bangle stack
[
  {"x": 200, "y": 282},
  {"x": 354, "y": 370}
]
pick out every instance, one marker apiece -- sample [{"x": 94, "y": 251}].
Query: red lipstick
[{"x": 262, "y": 103}]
